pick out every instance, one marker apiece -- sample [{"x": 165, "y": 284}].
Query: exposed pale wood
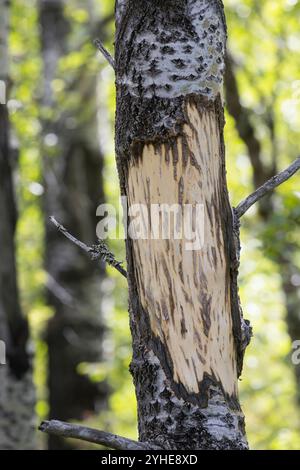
[{"x": 185, "y": 292}]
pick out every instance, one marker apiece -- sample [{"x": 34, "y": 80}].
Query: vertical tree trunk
[
  {"x": 17, "y": 397},
  {"x": 288, "y": 272},
  {"x": 74, "y": 189},
  {"x": 188, "y": 332}
]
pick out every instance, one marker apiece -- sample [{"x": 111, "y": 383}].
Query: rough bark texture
[
  {"x": 73, "y": 190},
  {"x": 188, "y": 333},
  {"x": 17, "y": 397},
  {"x": 284, "y": 258}
]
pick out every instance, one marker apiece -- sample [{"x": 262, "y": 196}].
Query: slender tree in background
[
  {"x": 284, "y": 254},
  {"x": 73, "y": 190},
  {"x": 17, "y": 396}
]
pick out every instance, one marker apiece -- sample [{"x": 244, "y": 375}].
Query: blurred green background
[{"x": 264, "y": 42}]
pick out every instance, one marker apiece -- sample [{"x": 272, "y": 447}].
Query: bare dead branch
[
  {"x": 270, "y": 185},
  {"x": 105, "y": 53},
  {"x": 96, "y": 252},
  {"x": 65, "y": 232},
  {"x": 59, "y": 428},
  {"x": 247, "y": 131}
]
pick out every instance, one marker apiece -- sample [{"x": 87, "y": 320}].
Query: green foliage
[{"x": 264, "y": 39}]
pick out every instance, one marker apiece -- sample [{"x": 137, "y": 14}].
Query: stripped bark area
[
  {"x": 188, "y": 332},
  {"x": 187, "y": 293}
]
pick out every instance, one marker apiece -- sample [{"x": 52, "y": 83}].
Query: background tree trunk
[
  {"x": 285, "y": 255},
  {"x": 17, "y": 396},
  {"x": 188, "y": 333},
  {"x": 74, "y": 188}
]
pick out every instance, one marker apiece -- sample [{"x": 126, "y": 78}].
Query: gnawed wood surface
[{"x": 187, "y": 292}]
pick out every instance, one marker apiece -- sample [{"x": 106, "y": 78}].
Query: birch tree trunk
[
  {"x": 188, "y": 332},
  {"x": 74, "y": 189},
  {"x": 17, "y": 397}
]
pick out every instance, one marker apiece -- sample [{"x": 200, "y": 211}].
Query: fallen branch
[
  {"x": 105, "y": 53},
  {"x": 59, "y": 428},
  {"x": 96, "y": 252},
  {"x": 270, "y": 185}
]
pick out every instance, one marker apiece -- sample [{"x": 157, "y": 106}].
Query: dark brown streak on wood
[
  {"x": 230, "y": 230},
  {"x": 227, "y": 228}
]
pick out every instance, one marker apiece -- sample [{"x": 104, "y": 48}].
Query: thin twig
[
  {"x": 65, "y": 232},
  {"x": 105, "y": 52},
  {"x": 270, "y": 185},
  {"x": 59, "y": 428},
  {"x": 99, "y": 251}
]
